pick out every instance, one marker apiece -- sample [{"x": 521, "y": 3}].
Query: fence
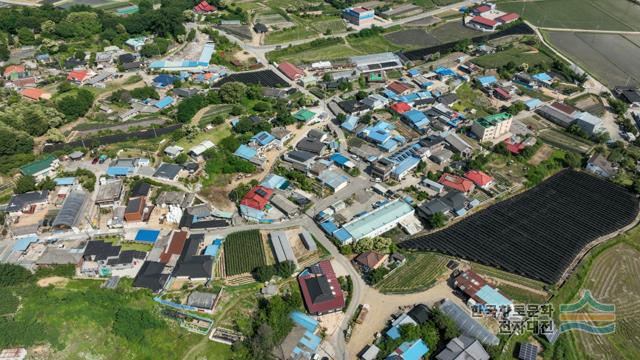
[{"x": 112, "y": 139}]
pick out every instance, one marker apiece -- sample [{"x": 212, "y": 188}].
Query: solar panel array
[
  {"x": 263, "y": 77},
  {"x": 538, "y": 233},
  {"x": 527, "y": 352}
]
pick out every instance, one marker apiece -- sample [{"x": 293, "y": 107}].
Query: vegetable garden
[
  {"x": 243, "y": 252},
  {"x": 419, "y": 273}
]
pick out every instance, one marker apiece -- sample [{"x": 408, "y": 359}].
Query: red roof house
[
  {"x": 400, "y": 107},
  {"x": 203, "y": 7},
  {"x": 479, "y": 178},
  {"x": 514, "y": 148},
  {"x": 24, "y": 82},
  {"x": 484, "y": 22},
  {"x": 399, "y": 88},
  {"x": 174, "y": 248},
  {"x": 482, "y": 9},
  {"x": 257, "y": 198},
  {"x": 35, "y": 94},
  {"x": 78, "y": 75},
  {"x": 291, "y": 71},
  {"x": 13, "y": 69},
  {"x": 507, "y": 18},
  {"x": 456, "y": 182},
  {"x": 320, "y": 289},
  {"x": 502, "y": 93}
]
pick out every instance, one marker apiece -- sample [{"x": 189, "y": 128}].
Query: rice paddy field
[
  {"x": 611, "y": 58},
  {"x": 519, "y": 54},
  {"x": 621, "y": 15},
  {"x": 447, "y": 32},
  {"x": 419, "y": 273}
]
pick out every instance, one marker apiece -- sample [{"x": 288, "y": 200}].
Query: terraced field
[
  {"x": 613, "y": 279},
  {"x": 419, "y": 273},
  {"x": 243, "y": 252}
]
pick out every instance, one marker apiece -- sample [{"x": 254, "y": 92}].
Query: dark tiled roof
[
  {"x": 20, "y": 201},
  {"x": 150, "y": 276},
  {"x": 100, "y": 250},
  {"x": 190, "y": 263},
  {"x": 126, "y": 257},
  {"x": 140, "y": 189}
]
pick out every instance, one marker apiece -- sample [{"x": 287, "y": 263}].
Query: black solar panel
[
  {"x": 527, "y": 352},
  {"x": 389, "y": 64},
  {"x": 374, "y": 67},
  {"x": 264, "y": 78}
]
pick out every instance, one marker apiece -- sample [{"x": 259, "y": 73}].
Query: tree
[
  {"x": 47, "y": 184},
  {"x": 361, "y": 95},
  {"x": 261, "y": 106},
  {"x": 14, "y": 142},
  {"x": 285, "y": 269},
  {"x": 446, "y": 325},
  {"x": 11, "y": 275},
  {"x": 76, "y": 106},
  {"x": 5, "y": 54},
  {"x": 25, "y": 184},
  {"x": 232, "y": 92},
  {"x": 437, "y": 220},
  {"x": 192, "y": 35},
  {"x": 26, "y": 36},
  {"x": 264, "y": 273},
  {"x": 132, "y": 323},
  {"x": 572, "y": 160},
  {"x": 181, "y": 158}
]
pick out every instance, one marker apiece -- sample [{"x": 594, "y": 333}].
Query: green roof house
[
  {"x": 375, "y": 77},
  {"x": 304, "y": 115},
  {"x": 40, "y": 168}
]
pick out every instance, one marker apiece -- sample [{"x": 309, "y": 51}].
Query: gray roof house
[
  {"x": 20, "y": 202},
  {"x": 599, "y": 165},
  {"x": 168, "y": 171},
  {"x": 463, "y": 348},
  {"x": 453, "y": 201}
]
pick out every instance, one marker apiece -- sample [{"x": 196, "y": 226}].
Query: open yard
[
  {"x": 578, "y": 14},
  {"x": 419, "y": 273},
  {"x": 538, "y": 233},
  {"x": 243, "y": 252},
  {"x": 611, "y": 58},
  {"x": 215, "y": 135}
]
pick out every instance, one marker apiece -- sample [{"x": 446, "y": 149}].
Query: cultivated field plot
[
  {"x": 263, "y": 77},
  {"x": 417, "y": 37},
  {"x": 613, "y": 279},
  {"x": 578, "y": 14},
  {"x": 565, "y": 141},
  {"x": 243, "y": 252},
  {"x": 518, "y": 54},
  {"x": 419, "y": 273},
  {"x": 612, "y": 58},
  {"x": 538, "y": 233}
]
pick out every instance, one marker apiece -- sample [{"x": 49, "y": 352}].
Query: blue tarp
[
  {"x": 442, "y": 71},
  {"x": 164, "y": 102},
  {"x": 544, "y": 77},
  {"x": 212, "y": 250},
  {"x": 147, "y": 235},
  {"x": 487, "y": 80}
]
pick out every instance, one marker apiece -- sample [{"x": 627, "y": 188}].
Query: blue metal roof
[
  {"x": 273, "y": 181},
  {"x": 414, "y": 72},
  {"x": 328, "y": 227},
  {"x": 542, "y": 77},
  {"x": 442, "y": 71},
  {"x": 332, "y": 179},
  {"x": 389, "y": 145},
  {"x": 533, "y": 103},
  {"x": 414, "y": 115},
  {"x": 351, "y": 123},
  {"x": 164, "y": 79},
  {"x": 487, "y": 80},
  {"x": 263, "y": 138},
  {"x": 304, "y": 320},
  {"x": 65, "y": 181},
  {"x": 205, "y": 55},
  {"x": 119, "y": 171},
  {"x": 22, "y": 244},
  {"x": 246, "y": 152},
  {"x": 393, "y": 332},
  {"x": 406, "y": 165},
  {"x": 212, "y": 250},
  {"x": 342, "y": 235},
  {"x": 493, "y": 297},
  {"x": 145, "y": 235},
  {"x": 339, "y": 159},
  {"x": 410, "y": 350},
  {"x": 164, "y": 102}
]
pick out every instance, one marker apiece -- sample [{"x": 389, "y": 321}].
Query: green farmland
[
  {"x": 419, "y": 273},
  {"x": 243, "y": 252},
  {"x": 620, "y": 15}
]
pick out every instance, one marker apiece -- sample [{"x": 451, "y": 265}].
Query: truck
[{"x": 362, "y": 315}]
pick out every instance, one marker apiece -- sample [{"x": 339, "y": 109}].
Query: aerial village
[{"x": 205, "y": 178}]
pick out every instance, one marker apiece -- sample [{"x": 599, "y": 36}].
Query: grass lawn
[
  {"x": 470, "y": 98},
  {"x": 578, "y": 14},
  {"x": 419, "y": 273},
  {"x": 215, "y": 135},
  {"x": 518, "y": 54}
]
